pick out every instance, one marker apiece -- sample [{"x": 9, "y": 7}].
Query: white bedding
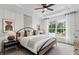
[{"x": 33, "y": 43}]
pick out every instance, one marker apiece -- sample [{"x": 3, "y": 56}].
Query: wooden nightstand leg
[
  {"x": 17, "y": 47},
  {"x": 3, "y": 51},
  {"x": 2, "y": 48}
]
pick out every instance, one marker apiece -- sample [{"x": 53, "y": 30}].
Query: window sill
[{"x": 61, "y": 37}]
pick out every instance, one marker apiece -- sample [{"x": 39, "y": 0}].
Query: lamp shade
[{"x": 11, "y": 33}]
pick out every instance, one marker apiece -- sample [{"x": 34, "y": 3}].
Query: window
[
  {"x": 61, "y": 28},
  {"x": 52, "y": 27},
  {"x": 58, "y": 27}
]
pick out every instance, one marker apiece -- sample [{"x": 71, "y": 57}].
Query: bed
[{"x": 38, "y": 44}]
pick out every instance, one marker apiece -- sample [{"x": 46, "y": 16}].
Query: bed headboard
[{"x": 26, "y": 31}]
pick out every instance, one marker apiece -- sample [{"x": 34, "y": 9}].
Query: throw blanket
[{"x": 33, "y": 41}]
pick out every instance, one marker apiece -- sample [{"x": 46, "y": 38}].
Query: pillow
[
  {"x": 18, "y": 34},
  {"x": 34, "y": 32},
  {"x": 22, "y": 33},
  {"x": 29, "y": 32},
  {"x": 25, "y": 33}
]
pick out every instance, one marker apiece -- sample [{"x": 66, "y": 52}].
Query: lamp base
[{"x": 10, "y": 38}]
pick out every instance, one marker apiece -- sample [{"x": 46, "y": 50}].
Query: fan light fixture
[{"x": 45, "y": 9}]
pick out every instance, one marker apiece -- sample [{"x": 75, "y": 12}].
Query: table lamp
[{"x": 11, "y": 35}]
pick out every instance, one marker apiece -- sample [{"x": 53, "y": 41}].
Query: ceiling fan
[{"x": 45, "y": 7}]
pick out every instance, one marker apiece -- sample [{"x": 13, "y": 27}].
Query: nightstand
[{"x": 9, "y": 44}]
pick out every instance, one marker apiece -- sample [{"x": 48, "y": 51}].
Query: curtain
[
  {"x": 70, "y": 31},
  {"x": 76, "y": 28}
]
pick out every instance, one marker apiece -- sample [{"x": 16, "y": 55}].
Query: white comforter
[{"x": 33, "y": 43}]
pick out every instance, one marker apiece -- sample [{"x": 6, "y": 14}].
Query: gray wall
[
  {"x": 17, "y": 17},
  {"x": 27, "y": 21}
]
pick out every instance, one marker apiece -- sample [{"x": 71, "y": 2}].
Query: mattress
[{"x": 34, "y": 43}]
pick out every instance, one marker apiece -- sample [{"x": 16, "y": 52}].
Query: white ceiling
[{"x": 30, "y": 9}]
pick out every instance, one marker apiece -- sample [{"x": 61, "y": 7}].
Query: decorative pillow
[
  {"x": 29, "y": 32},
  {"x": 22, "y": 33},
  {"x": 34, "y": 32},
  {"x": 18, "y": 34},
  {"x": 25, "y": 33}
]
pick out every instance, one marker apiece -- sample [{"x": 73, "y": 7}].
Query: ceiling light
[{"x": 45, "y": 9}]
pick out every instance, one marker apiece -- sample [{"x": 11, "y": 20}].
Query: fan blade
[
  {"x": 38, "y": 8},
  {"x": 50, "y": 9},
  {"x": 43, "y": 11},
  {"x": 50, "y": 5}
]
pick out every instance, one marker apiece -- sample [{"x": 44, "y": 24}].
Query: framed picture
[{"x": 8, "y": 25}]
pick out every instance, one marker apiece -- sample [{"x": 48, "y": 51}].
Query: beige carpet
[{"x": 60, "y": 49}]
